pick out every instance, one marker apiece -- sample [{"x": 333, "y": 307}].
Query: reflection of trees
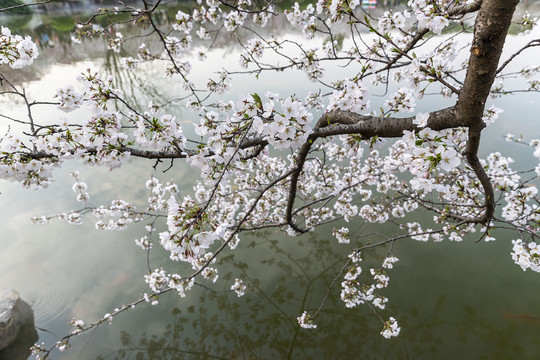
[
  {"x": 136, "y": 89},
  {"x": 16, "y": 22},
  {"x": 53, "y": 30},
  {"x": 505, "y": 341},
  {"x": 262, "y": 324}
]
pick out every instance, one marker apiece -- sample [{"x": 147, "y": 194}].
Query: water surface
[{"x": 452, "y": 300}]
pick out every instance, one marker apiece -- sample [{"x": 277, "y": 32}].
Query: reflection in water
[
  {"x": 215, "y": 324},
  {"x": 500, "y": 340},
  {"x": 51, "y": 298},
  {"x": 135, "y": 88},
  {"x": 262, "y": 324},
  {"x": 52, "y": 26}
]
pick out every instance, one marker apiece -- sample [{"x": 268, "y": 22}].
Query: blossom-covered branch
[{"x": 285, "y": 161}]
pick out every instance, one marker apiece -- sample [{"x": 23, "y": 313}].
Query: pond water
[{"x": 452, "y": 300}]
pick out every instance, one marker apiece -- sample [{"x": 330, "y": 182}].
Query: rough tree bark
[{"x": 490, "y": 31}]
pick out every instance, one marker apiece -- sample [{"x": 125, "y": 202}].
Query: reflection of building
[{"x": 369, "y": 4}]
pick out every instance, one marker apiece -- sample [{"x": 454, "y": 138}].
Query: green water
[{"x": 452, "y": 300}]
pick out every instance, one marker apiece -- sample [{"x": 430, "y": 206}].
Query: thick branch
[
  {"x": 490, "y": 31},
  {"x": 460, "y": 10},
  {"x": 147, "y": 154},
  {"x": 471, "y": 154},
  {"x": 346, "y": 122}
]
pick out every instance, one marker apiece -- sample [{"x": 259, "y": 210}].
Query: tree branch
[
  {"x": 532, "y": 43},
  {"x": 490, "y": 31}
]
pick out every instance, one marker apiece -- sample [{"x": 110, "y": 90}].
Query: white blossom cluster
[
  {"x": 428, "y": 16},
  {"x": 527, "y": 22},
  {"x": 288, "y": 128},
  {"x": 157, "y": 280},
  {"x": 80, "y": 188},
  {"x": 250, "y": 151},
  {"x": 536, "y": 144},
  {"x": 180, "y": 285},
  {"x": 186, "y": 238},
  {"x": 306, "y": 321},
  {"x": 254, "y": 49},
  {"x": 305, "y": 18},
  {"x": 178, "y": 46},
  {"x": 389, "y": 262},
  {"x": 39, "y": 351},
  {"x": 391, "y": 328},
  {"x": 234, "y": 19},
  {"x": 119, "y": 213},
  {"x": 62, "y": 345},
  {"x": 342, "y": 235},
  {"x": 15, "y": 50},
  {"x": 29, "y": 172},
  {"x": 115, "y": 43},
  {"x": 309, "y": 63},
  {"x": 527, "y": 256},
  {"x": 354, "y": 292},
  {"x": 491, "y": 114},
  {"x": 158, "y": 131},
  {"x": 184, "y": 22},
  {"x": 401, "y": 100},
  {"x": 69, "y": 99},
  {"x": 238, "y": 287},
  {"x": 159, "y": 194},
  {"x": 78, "y": 324},
  {"x": 336, "y": 9},
  {"x": 391, "y": 19},
  {"x": 108, "y": 318},
  {"x": 210, "y": 273},
  {"x": 144, "y": 243},
  {"x": 352, "y": 97}
]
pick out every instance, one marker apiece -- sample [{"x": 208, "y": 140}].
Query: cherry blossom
[{"x": 368, "y": 147}]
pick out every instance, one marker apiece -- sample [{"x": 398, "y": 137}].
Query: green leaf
[
  {"x": 374, "y": 140},
  {"x": 257, "y": 99}
]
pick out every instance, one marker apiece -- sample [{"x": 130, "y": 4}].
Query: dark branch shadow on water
[{"x": 285, "y": 278}]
